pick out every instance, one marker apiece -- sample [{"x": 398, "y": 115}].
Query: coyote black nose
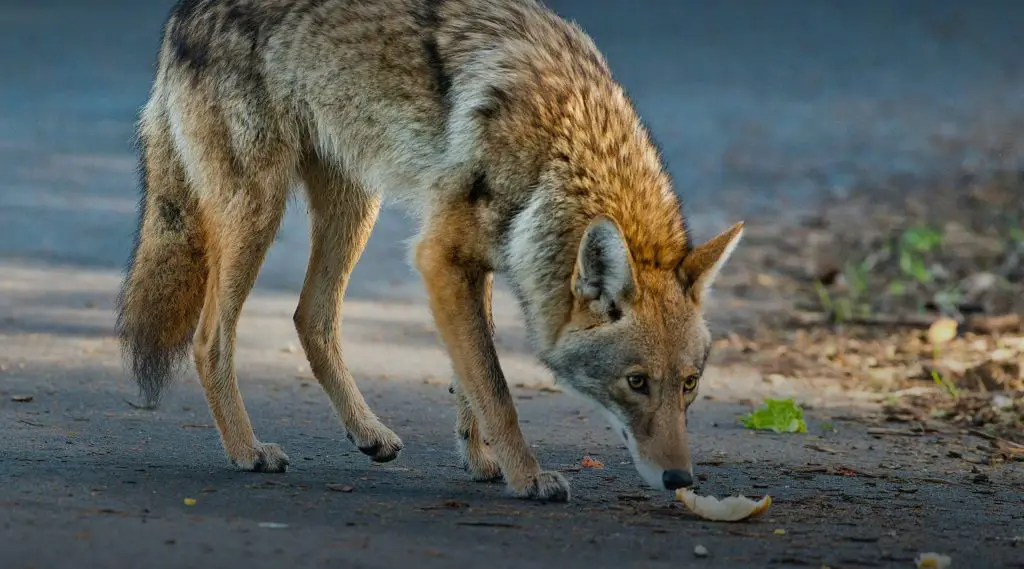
[{"x": 676, "y": 479}]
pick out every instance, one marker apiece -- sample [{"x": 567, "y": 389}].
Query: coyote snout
[{"x": 657, "y": 440}]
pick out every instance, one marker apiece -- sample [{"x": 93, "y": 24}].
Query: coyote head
[{"x": 636, "y": 344}]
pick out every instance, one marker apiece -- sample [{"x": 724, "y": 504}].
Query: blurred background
[{"x": 758, "y": 106}]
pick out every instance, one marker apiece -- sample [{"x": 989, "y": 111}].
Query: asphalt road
[{"x": 755, "y": 104}]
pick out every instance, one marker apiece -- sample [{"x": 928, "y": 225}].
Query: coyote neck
[{"x": 542, "y": 250}]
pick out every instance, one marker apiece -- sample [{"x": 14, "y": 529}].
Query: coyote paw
[
  {"x": 380, "y": 443},
  {"x": 479, "y": 460},
  {"x": 543, "y": 486},
  {"x": 263, "y": 457}
]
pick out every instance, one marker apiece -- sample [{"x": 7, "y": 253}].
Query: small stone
[
  {"x": 272, "y": 525},
  {"x": 1000, "y": 401},
  {"x": 22, "y": 398},
  {"x": 979, "y": 283},
  {"x": 700, "y": 551}
]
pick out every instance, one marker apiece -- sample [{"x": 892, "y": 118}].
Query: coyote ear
[
  {"x": 604, "y": 267},
  {"x": 700, "y": 267}
]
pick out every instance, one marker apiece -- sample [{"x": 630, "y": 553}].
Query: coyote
[{"x": 499, "y": 128}]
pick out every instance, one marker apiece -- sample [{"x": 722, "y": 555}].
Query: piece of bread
[{"x": 731, "y": 509}]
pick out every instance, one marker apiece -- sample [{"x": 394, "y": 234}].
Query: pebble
[{"x": 700, "y": 551}]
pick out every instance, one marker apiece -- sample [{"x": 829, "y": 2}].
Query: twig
[
  {"x": 842, "y": 470},
  {"x": 821, "y": 448},
  {"x": 915, "y": 432},
  {"x": 995, "y": 324},
  {"x": 809, "y": 470},
  {"x": 985, "y": 435},
  {"x": 898, "y": 432},
  {"x": 914, "y": 391},
  {"x": 934, "y": 480},
  {"x": 980, "y": 324},
  {"x": 906, "y": 320}
]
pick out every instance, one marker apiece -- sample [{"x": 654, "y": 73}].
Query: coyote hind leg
[
  {"x": 242, "y": 200},
  {"x": 244, "y": 232},
  {"x": 342, "y": 217}
]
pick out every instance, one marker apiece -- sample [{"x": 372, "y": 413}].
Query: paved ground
[
  {"x": 90, "y": 480},
  {"x": 754, "y": 103}
]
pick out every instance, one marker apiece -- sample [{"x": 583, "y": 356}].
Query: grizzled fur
[{"x": 499, "y": 127}]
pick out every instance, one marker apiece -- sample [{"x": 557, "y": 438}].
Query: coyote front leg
[
  {"x": 456, "y": 283},
  {"x": 474, "y": 451}
]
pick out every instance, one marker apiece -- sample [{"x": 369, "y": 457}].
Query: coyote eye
[
  {"x": 690, "y": 383},
  {"x": 637, "y": 382}
]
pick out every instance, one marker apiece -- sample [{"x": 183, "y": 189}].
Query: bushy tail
[{"x": 164, "y": 288}]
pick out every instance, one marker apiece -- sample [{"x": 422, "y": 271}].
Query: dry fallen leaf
[
  {"x": 590, "y": 462},
  {"x": 22, "y": 398},
  {"x": 731, "y": 509},
  {"x": 190, "y": 501},
  {"x": 941, "y": 331}
]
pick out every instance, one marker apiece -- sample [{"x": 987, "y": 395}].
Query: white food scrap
[
  {"x": 731, "y": 509},
  {"x": 932, "y": 561}
]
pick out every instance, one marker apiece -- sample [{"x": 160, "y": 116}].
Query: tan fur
[
  {"x": 476, "y": 454},
  {"x": 499, "y": 127}
]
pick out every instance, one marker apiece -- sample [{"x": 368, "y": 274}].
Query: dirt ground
[{"x": 918, "y": 297}]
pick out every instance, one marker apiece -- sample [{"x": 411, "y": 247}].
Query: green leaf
[
  {"x": 844, "y": 309},
  {"x": 921, "y": 239},
  {"x": 946, "y": 384},
  {"x": 778, "y": 415},
  {"x": 823, "y": 297},
  {"x": 920, "y": 271},
  {"x": 857, "y": 275},
  {"x": 906, "y": 259}
]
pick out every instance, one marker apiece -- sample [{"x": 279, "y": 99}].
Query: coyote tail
[{"x": 164, "y": 286}]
